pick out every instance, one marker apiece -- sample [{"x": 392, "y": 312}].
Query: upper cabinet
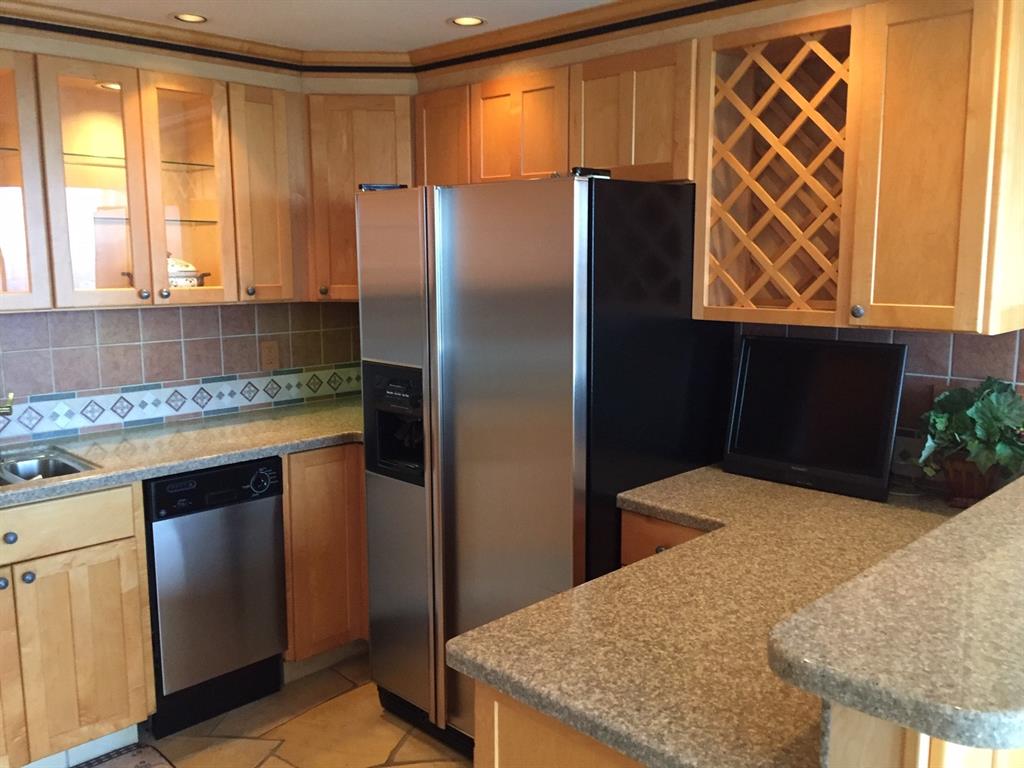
[
  {"x": 519, "y": 126},
  {"x": 188, "y": 179},
  {"x": 939, "y": 238},
  {"x": 353, "y": 140},
  {"x": 24, "y": 273},
  {"x": 92, "y": 136},
  {"x": 259, "y": 157},
  {"x": 633, "y": 113},
  {"x": 442, "y": 136}
]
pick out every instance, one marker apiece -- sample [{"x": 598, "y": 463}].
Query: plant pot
[{"x": 965, "y": 483}]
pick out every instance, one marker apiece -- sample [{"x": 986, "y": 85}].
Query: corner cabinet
[
  {"x": 633, "y": 113},
  {"x": 353, "y": 140},
  {"x": 519, "y": 126},
  {"x": 188, "y": 186},
  {"x": 24, "y": 263}
]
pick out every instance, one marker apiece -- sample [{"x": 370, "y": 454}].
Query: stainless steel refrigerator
[{"x": 528, "y": 352}]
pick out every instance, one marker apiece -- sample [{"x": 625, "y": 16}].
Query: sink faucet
[{"x": 7, "y": 406}]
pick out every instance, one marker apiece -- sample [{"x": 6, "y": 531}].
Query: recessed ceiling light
[
  {"x": 109, "y": 86},
  {"x": 190, "y": 18},
  {"x": 467, "y": 21}
]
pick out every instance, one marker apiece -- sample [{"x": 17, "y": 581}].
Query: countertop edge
[
  {"x": 98, "y": 479},
  {"x": 702, "y": 522}
]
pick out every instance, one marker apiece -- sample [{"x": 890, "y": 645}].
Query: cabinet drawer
[
  {"x": 68, "y": 523},
  {"x": 643, "y": 536}
]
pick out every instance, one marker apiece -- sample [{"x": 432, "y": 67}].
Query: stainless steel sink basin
[{"x": 31, "y": 463}]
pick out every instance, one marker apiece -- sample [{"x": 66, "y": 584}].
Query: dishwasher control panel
[{"x": 192, "y": 492}]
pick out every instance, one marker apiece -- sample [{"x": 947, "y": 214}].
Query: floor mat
[{"x": 135, "y": 756}]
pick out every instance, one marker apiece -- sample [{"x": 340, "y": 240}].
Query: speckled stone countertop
[
  {"x": 138, "y": 454},
  {"x": 666, "y": 660},
  {"x": 932, "y": 637}
]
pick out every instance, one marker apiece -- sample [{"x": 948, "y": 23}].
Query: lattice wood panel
[{"x": 778, "y": 143}]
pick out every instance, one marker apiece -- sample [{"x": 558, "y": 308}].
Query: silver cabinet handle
[
  {"x": 10, "y": 538},
  {"x": 324, "y": 290},
  {"x": 857, "y": 310},
  {"x": 660, "y": 548},
  {"x": 251, "y": 290},
  {"x": 4, "y": 583},
  {"x": 144, "y": 294},
  {"x": 28, "y": 577},
  {"x": 164, "y": 293}
]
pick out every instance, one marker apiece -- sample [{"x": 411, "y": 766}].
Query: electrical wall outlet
[{"x": 270, "y": 355}]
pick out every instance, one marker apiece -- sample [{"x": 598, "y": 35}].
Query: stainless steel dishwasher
[{"x": 216, "y": 547}]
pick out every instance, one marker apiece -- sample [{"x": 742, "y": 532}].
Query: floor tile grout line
[
  {"x": 389, "y": 760},
  {"x": 305, "y": 711}
]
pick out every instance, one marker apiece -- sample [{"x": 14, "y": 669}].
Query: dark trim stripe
[{"x": 369, "y": 69}]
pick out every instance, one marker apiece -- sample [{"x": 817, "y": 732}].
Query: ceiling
[{"x": 334, "y": 25}]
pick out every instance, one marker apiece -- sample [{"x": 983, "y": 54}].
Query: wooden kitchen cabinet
[
  {"x": 13, "y": 734},
  {"x": 188, "y": 184},
  {"x": 81, "y": 640},
  {"x": 643, "y": 536},
  {"x": 92, "y": 138},
  {"x": 325, "y": 550},
  {"x": 259, "y": 158},
  {"x": 940, "y": 177},
  {"x": 353, "y": 140},
  {"x": 519, "y": 126},
  {"x": 24, "y": 258},
  {"x": 633, "y": 113},
  {"x": 441, "y": 140}
]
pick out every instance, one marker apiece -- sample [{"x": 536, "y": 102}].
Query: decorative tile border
[{"x": 67, "y": 414}]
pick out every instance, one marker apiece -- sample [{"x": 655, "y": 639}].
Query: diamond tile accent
[
  {"x": 92, "y": 411},
  {"x": 272, "y": 389},
  {"x": 122, "y": 407},
  {"x": 249, "y": 391},
  {"x": 315, "y": 382},
  {"x": 202, "y": 397},
  {"x": 4, "y": 421},
  {"x": 335, "y": 381},
  {"x": 175, "y": 400},
  {"x": 29, "y": 418}
]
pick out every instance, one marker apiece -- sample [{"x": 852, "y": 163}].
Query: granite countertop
[
  {"x": 666, "y": 660},
  {"x": 137, "y": 454},
  {"x": 932, "y": 637}
]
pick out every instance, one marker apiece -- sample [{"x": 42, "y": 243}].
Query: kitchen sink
[{"x": 32, "y": 463}]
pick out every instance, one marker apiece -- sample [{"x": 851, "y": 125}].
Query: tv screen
[{"x": 816, "y": 413}]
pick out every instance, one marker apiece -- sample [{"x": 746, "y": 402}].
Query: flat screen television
[{"x": 820, "y": 414}]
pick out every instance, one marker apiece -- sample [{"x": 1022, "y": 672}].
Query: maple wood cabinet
[
  {"x": 519, "y": 126},
  {"x": 13, "y": 733},
  {"x": 441, "y": 138},
  {"x": 325, "y": 550},
  {"x": 24, "y": 267},
  {"x": 643, "y": 536},
  {"x": 353, "y": 140},
  {"x": 633, "y": 113}
]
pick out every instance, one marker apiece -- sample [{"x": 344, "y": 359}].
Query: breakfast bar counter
[{"x": 666, "y": 660}]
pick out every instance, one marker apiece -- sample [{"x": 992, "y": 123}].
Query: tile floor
[{"x": 330, "y": 719}]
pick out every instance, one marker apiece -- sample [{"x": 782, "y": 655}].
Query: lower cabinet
[
  {"x": 325, "y": 543},
  {"x": 643, "y": 536},
  {"x": 13, "y": 736}
]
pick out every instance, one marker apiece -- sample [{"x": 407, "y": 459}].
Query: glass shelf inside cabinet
[
  {"x": 93, "y": 161},
  {"x": 8, "y": 149},
  {"x": 181, "y": 166}
]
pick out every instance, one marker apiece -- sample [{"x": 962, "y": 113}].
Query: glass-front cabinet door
[
  {"x": 92, "y": 136},
  {"x": 188, "y": 176},
  {"x": 24, "y": 271}
]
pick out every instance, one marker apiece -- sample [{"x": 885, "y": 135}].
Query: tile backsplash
[
  {"x": 935, "y": 361},
  {"x": 81, "y": 371}
]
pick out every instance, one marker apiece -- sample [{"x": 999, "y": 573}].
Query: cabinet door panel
[
  {"x": 81, "y": 639},
  {"x": 259, "y": 156},
  {"x": 519, "y": 126},
  {"x": 188, "y": 178},
  {"x": 918, "y": 254},
  {"x": 13, "y": 736},
  {"x": 326, "y": 550},
  {"x": 353, "y": 140},
  {"x": 442, "y": 136},
  {"x": 24, "y": 267}
]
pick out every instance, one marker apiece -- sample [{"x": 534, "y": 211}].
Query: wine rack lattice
[{"x": 778, "y": 143}]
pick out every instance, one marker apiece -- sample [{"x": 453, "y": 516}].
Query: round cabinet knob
[
  {"x": 144, "y": 294},
  {"x": 10, "y": 538},
  {"x": 28, "y": 577},
  {"x": 324, "y": 290},
  {"x": 164, "y": 293},
  {"x": 251, "y": 290},
  {"x": 4, "y": 583},
  {"x": 660, "y": 548},
  {"x": 857, "y": 310}
]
